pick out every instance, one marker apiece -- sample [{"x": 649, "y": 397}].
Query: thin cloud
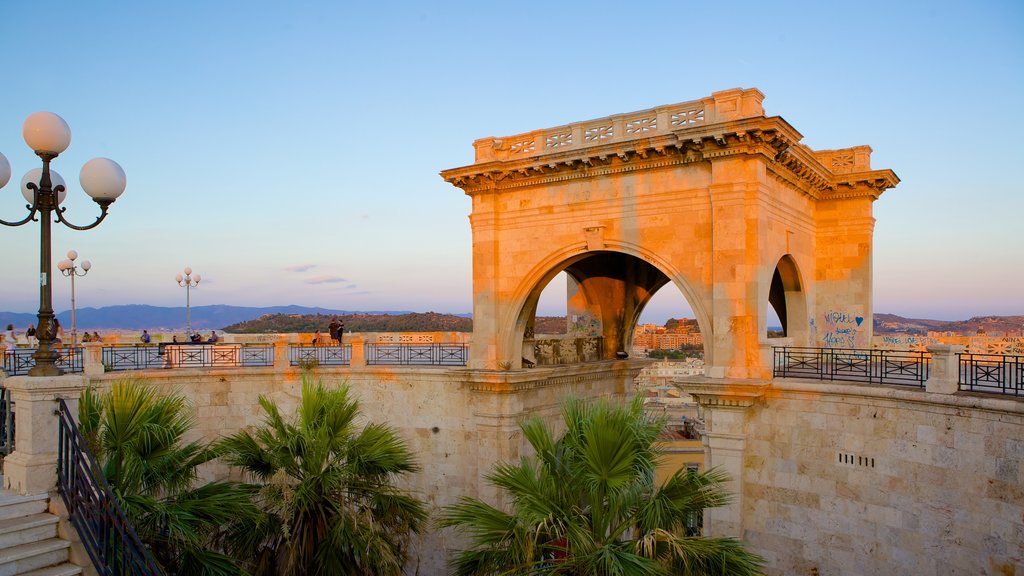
[
  {"x": 300, "y": 267},
  {"x": 324, "y": 280}
]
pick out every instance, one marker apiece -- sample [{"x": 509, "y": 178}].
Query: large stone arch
[
  {"x": 714, "y": 188},
  {"x": 589, "y": 269}
]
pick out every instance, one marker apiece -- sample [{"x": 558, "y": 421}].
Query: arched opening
[
  {"x": 603, "y": 305},
  {"x": 787, "y": 310}
]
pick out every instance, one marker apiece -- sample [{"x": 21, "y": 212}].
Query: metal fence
[
  {"x": 416, "y": 354},
  {"x": 310, "y": 356},
  {"x": 108, "y": 537},
  {"x": 993, "y": 373},
  {"x": 6, "y": 422},
  {"x": 142, "y": 356},
  {"x": 854, "y": 365},
  {"x": 19, "y": 361},
  {"x": 133, "y": 357}
]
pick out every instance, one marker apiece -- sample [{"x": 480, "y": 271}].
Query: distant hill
[
  {"x": 354, "y": 322},
  {"x": 893, "y": 324},
  {"x": 142, "y": 316}
]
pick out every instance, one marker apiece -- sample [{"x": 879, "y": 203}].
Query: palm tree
[
  {"x": 587, "y": 503},
  {"x": 326, "y": 488},
  {"x": 136, "y": 435}
]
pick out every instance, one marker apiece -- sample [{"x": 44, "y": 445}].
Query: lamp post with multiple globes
[
  {"x": 70, "y": 269},
  {"x": 48, "y": 135},
  {"x": 189, "y": 281}
]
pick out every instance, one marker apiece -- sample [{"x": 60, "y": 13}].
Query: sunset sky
[{"x": 289, "y": 151}]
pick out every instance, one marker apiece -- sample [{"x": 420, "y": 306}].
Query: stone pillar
[
  {"x": 92, "y": 360},
  {"x": 945, "y": 371},
  {"x": 358, "y": 359},
  {"x": 32, "y": 467},
  {"x": 726, "y": 405},
  {"x": 281, "y": 361}
]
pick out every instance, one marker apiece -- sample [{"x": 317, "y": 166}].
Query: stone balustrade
[{"x": 719, "y": 107}]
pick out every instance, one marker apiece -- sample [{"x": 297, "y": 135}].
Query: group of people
[
  {"x": 194, "y": 338},
  {"x": 336, "y": 329},
  {"x": 9, "y": 338}
]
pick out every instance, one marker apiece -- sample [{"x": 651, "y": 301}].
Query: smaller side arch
[{"x": 787, "y": 297}]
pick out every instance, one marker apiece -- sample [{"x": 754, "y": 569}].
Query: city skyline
[{"x": 289, "y": 154}]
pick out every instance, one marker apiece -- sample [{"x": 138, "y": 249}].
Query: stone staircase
[{"x": 29, "y": 543}]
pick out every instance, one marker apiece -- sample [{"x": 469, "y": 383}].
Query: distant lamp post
[
  {"x": 68, "y": 268},
  {"x": 188, "y": 281},
  {"x": 48, "y": 135}
]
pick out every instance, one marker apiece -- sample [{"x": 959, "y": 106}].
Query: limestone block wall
[
  {"x": 851, "y": 479},
  {"x": 459, "y": 422}
]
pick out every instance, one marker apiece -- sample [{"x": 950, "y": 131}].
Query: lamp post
[
  {"x": 48, "y": 135},
  {"x": 68, "y": 268},
  {"x": 188, "y": 281}
]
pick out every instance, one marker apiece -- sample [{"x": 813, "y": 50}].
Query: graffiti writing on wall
[
  {"x": 586, "y": 325},
  {"x": 1011, "y": 345},
  {"x": 841, "y": 329}
]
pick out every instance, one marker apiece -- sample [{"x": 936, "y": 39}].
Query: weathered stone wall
[
  {"x": 856, "y": 479},
  {"x": 459, "y": 422}
]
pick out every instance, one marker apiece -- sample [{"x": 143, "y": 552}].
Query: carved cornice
[
  {"x": 765, "y": 136},
  {"x": 508, "y": 382},
  {"x": 717, "y": 393},
  {"x": 769, "y": 137}
]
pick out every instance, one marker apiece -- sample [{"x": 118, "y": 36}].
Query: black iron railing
[
  {"x": 993, "y": 373},
  {"x": 142, "y": 356},
  {"x": 108, "y": 537},
  {"x": 6, "y": 422},
  {"x": 133, "y": 357},
  {"x": 19, "y": 361},
  {"x": 854, "y": 365},
  {"x": 416, "y": 354},
  {"x": 309, "y": 356}
]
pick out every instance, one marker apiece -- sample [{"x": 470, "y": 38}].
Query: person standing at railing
[
  {"x": 58, "y": 332},
  {"x": 30, "y": 335},
  {"x": 10, "y": 340},
  {"x": 333, "y": 328}
]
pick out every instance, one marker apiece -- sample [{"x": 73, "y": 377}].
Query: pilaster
[{"x": 726, "y": 406}]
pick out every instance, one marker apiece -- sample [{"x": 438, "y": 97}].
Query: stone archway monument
[{"x": 711, "y": 195}]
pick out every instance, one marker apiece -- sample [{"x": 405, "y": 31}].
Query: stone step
[
  {"x": 33, "y": 556},
  {"x": 58, "y": 570},
  {"x": 14, "y": 531},
  {"x": 15, "y": 506}
]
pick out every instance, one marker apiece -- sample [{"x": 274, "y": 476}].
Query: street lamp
[
  {"x": 68, "y": 268},
  {"x": 188, "y": 281},
  {"x": 102, "y": 179}
]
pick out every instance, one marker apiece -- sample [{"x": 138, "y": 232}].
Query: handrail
[
  {"x": 992, "y": 373},
  {"x": 312, "y": 355},
  {"x": 852, "y": 364},
  {"x": 112, "y": 543},
  {"x": 187, "y": 355},
  {"x": 6, "y": 422},
  {"x": 19, "y": 361},
  {"x": 383, "y": 353}
]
